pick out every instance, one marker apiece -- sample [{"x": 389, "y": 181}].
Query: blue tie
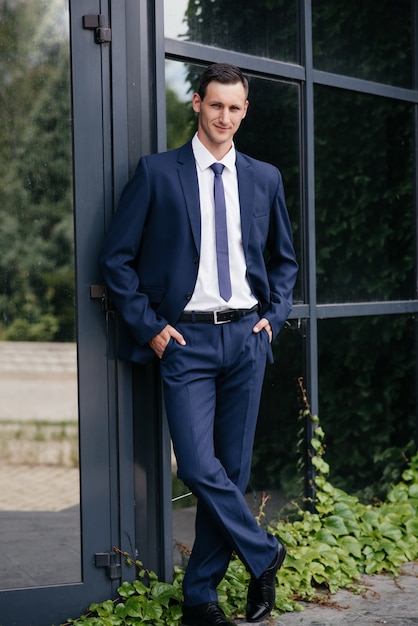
[{"x": 222, "y": 256}]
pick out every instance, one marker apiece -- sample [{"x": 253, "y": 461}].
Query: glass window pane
[
  {"x": 364, "y": 197},
  {"x": 370, "y": 40},
  {"x": 267, "y": 29},
  {"x": 270, "y": 132},
  {"x": 276, "y": 451},
  {"x": 367, "y": 398},
  {"x": 39, "y": 474}
]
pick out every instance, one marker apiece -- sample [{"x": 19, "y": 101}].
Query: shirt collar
[{"x": 204, "y": 158}]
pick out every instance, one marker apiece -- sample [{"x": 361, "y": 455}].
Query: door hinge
[
  {"x": 99, "y": 292},
  {"x": 102, "y": 34},
  {"x": 111, "y": 561}
]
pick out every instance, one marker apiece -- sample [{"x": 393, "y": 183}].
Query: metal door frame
[{"x": 105, "y": 390}]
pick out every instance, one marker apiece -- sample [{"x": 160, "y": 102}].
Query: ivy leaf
[
  {"x": 163, "y": 593},
  {"x": 320, "y": 465},
  {"x": 120, "y": 610},
  {"x": 140, "y": 588},
  {"x": 134, "y": 606},
  {"x": 317, "y": 571},
  {"x": 296, "y": 562},
  {"x": 342, "y": 509},
  {"x": 152, "y": 612},
  {"x": 325, "y": 536},
  {"x": 390, "y": 531},
  {"x": 413, "y": 491},
  {"x": 412, "y": 527},
  {"x": 125, "y": 590},
  {"x": 336, "y": 525},
  {"x": 105, "y": 608},
  {"x": 351, "y": 545},
  {"x": 176, "y": 612}
]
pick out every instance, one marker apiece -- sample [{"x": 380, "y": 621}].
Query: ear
[
  {"x": 246, "y": 105},
  {"x": 196, "y": 103}
]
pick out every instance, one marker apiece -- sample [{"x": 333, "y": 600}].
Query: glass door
[
  {"x": 60, "y": 497},
  {"x": 39, "y": 467}
]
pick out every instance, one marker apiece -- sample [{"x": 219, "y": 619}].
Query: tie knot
[{"x": 218, "y": 168}]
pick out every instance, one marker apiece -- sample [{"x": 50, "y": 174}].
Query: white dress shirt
[{"x": 206, "y": 295}]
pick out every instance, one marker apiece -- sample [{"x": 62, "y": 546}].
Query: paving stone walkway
[{"x": 389, "y": 601}]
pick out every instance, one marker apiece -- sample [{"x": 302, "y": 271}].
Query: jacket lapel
[
  {"x": 245, "y": 176},
  {"x": 188, "y": 180}
]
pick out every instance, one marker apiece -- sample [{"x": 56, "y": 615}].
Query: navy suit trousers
[{"x": 212, "y": 389}]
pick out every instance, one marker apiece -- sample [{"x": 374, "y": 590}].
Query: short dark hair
[{"x": 222, "y": 73}]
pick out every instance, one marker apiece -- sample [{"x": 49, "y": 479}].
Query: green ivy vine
[{"x": 328, "y": 549}]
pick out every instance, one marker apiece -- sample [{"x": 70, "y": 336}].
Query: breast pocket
[{"x": 261, "y": 227}]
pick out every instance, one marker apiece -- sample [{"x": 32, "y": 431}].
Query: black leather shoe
[
  {"x": 209, "y": 614},
  {"x": 262, "y": 591}
]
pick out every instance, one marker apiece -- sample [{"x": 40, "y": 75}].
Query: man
[{"x": 160, "y": 262}]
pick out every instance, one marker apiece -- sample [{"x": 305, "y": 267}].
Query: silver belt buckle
[{"x": 215, "y": 318}]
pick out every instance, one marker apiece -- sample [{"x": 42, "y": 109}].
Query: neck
[{"x": 218, "y": 151}]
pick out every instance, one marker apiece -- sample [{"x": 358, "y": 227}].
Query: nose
[{"x": 224, "y": 116}]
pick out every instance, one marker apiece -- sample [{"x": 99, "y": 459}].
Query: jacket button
[
  {"x": 189, "y": 296},
  {"x": 196, "y": 260}
]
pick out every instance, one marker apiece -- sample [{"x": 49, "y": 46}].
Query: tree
[{"x": 36, "y": 226}]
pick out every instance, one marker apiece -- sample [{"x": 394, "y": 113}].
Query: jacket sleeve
[
  {"x": 281, "y": 265},
  {"x": 119, "y": 252}
]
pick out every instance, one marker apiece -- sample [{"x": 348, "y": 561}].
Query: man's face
[{"x": 220, "y": 115}]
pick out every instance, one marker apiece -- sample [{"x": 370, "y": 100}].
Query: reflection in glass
[
  {"x": 364, "y": 197},
  {"x": 276, "y": 450},
  {"x": 39, "y": 475},
  {"x": 370, "y": 40},
  {"x": 269, "y": 31},
  {"x": 269, "y": 132},
  {"x": 367, "y": 399}
]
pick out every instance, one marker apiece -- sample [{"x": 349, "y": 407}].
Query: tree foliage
[{"x": 36, "y": 225}]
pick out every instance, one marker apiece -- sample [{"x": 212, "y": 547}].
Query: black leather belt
[{"x": 217, "y": 317}]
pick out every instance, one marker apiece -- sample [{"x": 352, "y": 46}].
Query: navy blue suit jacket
[{"x": 150, "y": 256}]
